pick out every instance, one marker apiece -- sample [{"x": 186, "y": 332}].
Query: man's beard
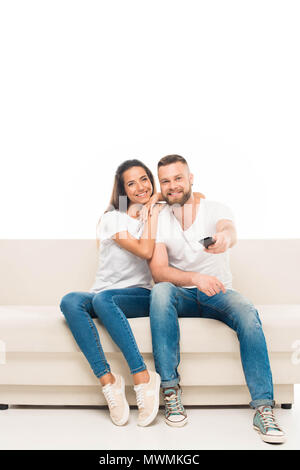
[{"x": 184, "y": 198}]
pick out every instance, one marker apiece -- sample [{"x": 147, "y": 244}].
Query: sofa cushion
[{"x": 44, "y": 329}]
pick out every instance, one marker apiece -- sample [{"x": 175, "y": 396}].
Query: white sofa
[{"x": 40, "y": 363}]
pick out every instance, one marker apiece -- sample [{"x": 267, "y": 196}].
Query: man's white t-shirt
[
  {"x": 183, "y": 247},
  {"x": 117, "y": 267}
]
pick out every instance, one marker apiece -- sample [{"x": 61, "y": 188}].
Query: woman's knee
[
  {"x": 71, "y": 302},
  {"x": 100, "y": 303},
  {"x": 68, "y": 300}
]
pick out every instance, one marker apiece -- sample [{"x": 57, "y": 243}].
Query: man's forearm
[
  {"x": 231, "y": 232},
  {"x": 227, "y": 231},
  {"x": 173, "y": 275}
]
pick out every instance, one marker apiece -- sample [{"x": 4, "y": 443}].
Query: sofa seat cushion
[{"x": 44, "y": 329}]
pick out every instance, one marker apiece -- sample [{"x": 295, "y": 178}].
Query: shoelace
[
  {"x": 173, "y": 404},
  {"x": 268, "y": 419},
  {"x": 139, "y": 389},
  {"x": 109, "y": 395}
]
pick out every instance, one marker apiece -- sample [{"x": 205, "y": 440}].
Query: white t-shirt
[
  {"x": 184, "y": 250},
  {"x": 117, "y": 267}
]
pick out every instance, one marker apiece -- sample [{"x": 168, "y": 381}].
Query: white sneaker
[
  {"x": 147, "y": 396},
  {"x": 116, "y": 400}
]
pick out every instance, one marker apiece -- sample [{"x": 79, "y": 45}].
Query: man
[{"x": 192, "y": 281}]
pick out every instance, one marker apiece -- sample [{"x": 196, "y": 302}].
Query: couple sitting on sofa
[{"x": 137, "y": 233}]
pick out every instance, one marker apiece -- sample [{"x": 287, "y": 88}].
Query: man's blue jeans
[
  {"x": 169, "y": 302},
  {"x": 112, "y": 307}
]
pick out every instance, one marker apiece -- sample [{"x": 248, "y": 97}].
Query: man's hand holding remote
[{"x": 222, "y": 243}]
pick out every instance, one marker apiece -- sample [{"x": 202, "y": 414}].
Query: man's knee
[
  {"x": 163, "y": 296},
  {"x": 248, "y": 319},
  {"x": 162, "y": 290}
]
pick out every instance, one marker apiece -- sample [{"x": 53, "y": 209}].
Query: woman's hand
[
  {"x": 148, "y": 207},
  {"x": 157, "y": 208},
  {"x": 199, "y": 196}
]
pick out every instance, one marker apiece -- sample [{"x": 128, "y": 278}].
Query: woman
[{"x": 121, "y": 290}]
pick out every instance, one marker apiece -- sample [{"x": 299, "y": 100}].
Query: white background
[{"x": 87, "y": 84}]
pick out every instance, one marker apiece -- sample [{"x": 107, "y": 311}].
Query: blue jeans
[
  {"x": 112, "y": 307},
  {"x": 169, "y": 302}
]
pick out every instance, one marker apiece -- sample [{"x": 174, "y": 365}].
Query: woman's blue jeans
[
  {"x": 112, "y": 307},
  {"x": 169, "y": 302}
]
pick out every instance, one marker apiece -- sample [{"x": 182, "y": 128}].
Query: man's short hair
[{"x": 168, "y": 159}]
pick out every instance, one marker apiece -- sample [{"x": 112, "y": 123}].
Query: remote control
[{"x": 206, "y": 242}]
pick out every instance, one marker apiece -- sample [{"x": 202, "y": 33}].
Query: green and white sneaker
[
  {"x": 265, "y": 423},
  {"x": 175, "y": 414}
]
